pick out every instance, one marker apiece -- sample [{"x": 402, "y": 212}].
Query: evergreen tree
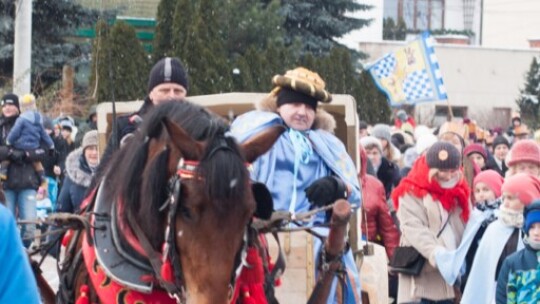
[
  {"x": 122, "y": 65},
  {"x": 530, "y": 95},
  {"x": 205, "y": 57},
  {"x": 184, "y": 15},
  {"x": 372, "y": 104},
  {"x": 52, "y": 23},
  {"x": 246, "y": 23},
  {"x": 315, "y": 23},
  {"x": 163, "y": 42},
  {"x": 341, "y": 78}
]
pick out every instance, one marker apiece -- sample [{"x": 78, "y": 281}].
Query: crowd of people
[
  {"x": 465, "y": 199},
  {"x": 462, "y": 201}
]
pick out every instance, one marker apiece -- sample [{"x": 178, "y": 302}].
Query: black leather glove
[
  {"x": 326, "y": 190},
  {"x": 17, "y": 155}
]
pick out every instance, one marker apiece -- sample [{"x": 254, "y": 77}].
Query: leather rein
[{"x": 166, "y": 263}]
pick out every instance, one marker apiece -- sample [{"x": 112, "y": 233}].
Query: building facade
[{"x": 482, "y": 83}]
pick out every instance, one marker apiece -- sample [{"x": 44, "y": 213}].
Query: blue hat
[{"x": 532, "y": 215}]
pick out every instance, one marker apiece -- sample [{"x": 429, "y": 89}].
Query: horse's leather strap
[
  {"x": 153, "y": 257},
  {"x": 280, "y": 264}
]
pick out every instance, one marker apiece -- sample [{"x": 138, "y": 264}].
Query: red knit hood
[{"x": 416, "y": 183}]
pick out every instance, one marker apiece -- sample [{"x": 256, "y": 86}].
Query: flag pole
[{"x": 450, "y": 115}]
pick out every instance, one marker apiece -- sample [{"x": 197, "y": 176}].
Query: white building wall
[
  {"x": 480, "y": 79},
  {"x": 510, "y": 23},
  {"x": 371, "y": 33}
]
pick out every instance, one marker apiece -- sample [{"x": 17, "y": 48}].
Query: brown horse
[{"x": 181, "y": 189}]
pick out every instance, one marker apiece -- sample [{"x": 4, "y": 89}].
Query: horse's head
[{"x": 183, "y": 153}]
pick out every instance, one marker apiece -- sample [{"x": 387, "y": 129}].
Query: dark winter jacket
[
  {"x": 519, "y": 278},
  {"x": 388, "y": 174},
  {"x": 491, "y": 164},
  {"x": 125, "y": 125},
  {"x": 21, "y": 173},
  {"x": 28, "y": 132},
  {"x": 76, "y": 182},
  {"x": 58, "y": 158}
]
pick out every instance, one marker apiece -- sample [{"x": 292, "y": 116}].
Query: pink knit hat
[
  {"x": 526, "y": 150},
  {"x": 525, "y": 186},
  {"x": 492, "y": 179},
  {"x": 475, "y": 148}
]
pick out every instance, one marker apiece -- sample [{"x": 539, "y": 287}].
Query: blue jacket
[
  {"x": 519, "y": 278},
  {"x": 28, "y": 132},
  {"x": 17, "y": 282},
  {"x": 76, "y": 182}
]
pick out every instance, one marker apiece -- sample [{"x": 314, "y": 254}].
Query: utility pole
[{"x": 22, "y": 57}]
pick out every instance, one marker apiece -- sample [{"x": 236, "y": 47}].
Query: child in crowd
[
  {"x": 27, "y": 134},
  {"x": 477, "y": 154},
  {"x": 487, "y": 190},
  {"x": 500, "y": 147},
  {"x": 519, "y": 279},
  {"x": 501, "y": 238}
]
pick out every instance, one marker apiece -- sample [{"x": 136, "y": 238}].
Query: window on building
[
  {"x": 420, "y": 14},
  {"x": 456, "y": 111},
  {"x": 391, "y": 9}
]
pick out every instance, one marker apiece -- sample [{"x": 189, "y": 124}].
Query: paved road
[{"x": 49, "y": 272}]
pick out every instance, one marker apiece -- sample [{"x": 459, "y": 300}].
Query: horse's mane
[{"x": 143, "y": 187}]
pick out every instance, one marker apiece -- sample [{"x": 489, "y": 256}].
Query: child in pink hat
[{"x": 487, "y": 187}]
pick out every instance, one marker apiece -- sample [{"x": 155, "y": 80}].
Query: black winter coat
[
  {"x": 491, "y": 164},
  {"x": 388, "y": 174},
  {"x": 21, "y": 174}
]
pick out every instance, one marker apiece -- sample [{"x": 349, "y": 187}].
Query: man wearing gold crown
[{"x": 307, "y": 166}]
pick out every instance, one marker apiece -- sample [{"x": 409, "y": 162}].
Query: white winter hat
[
  {"x": 424, "y": 142},
  {"x": 371, "y": 140}
]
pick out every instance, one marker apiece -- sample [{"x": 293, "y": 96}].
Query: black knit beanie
[
  {"x": 500, "y": 140},
  {"x": 443, "y": 156},
  {"x": 287, "y": 95},
  {"x": 168, "y": 70},
  {"x": 12, "y": 99}
]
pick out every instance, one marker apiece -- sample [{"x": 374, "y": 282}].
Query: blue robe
[
  {"x": 17, "y": 281},
  {"x": 481, "y": 284},
  {"x": 276, "y": 169}
]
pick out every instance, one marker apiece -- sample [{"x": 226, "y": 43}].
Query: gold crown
[
  {"x": 303, "y": 81},
  {"x": 521, "y": 130},
  {"x": 455, "y": 127}
]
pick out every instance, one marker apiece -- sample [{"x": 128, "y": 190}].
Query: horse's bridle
[{"x": 168, "y": 268}]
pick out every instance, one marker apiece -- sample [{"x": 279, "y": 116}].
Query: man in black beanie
[{"x": 167, "y": 81}]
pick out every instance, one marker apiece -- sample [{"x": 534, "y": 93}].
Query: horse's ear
[
  {"x": 260, "y": 143},
  {"x": 189, "y": 148}
]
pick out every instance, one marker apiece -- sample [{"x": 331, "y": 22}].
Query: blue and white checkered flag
[{"x": 411, "y": 74}]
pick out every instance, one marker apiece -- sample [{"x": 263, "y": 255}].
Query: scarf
[
  {"x": 511, "y": 218},
  {"x": 417, "y": 184}
]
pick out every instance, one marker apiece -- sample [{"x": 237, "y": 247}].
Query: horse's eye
[{"x": 185, "y": 212}]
